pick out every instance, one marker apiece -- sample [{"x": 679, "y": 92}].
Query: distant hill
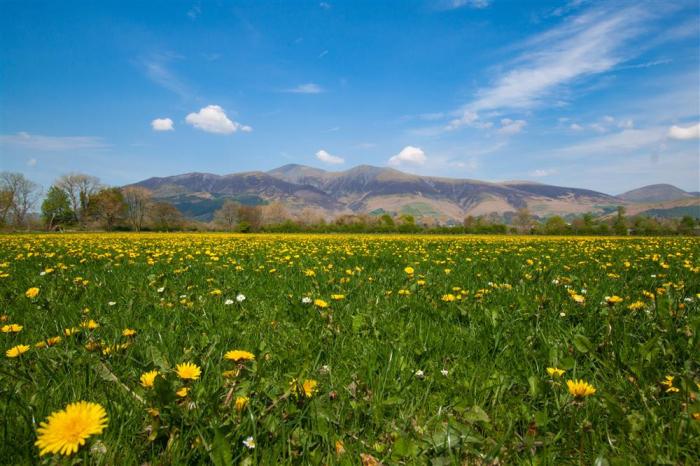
[
  {"x": 655, "y": 193},
  {"x": 368, "y": 189}
]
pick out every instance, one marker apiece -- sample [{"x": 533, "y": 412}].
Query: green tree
[
  {"x": 555, "y": 226},
  {"x": 55, "y": 210}
]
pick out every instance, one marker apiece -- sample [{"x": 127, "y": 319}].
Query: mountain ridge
[{"x": 371, "y": 189}]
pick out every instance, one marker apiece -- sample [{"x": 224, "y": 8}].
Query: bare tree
[
  {"x": 165, "y": 216},
  {"x": 137, "y": 201},
  {"x": 227, "y": 214},
  {"x": 18, "y": 196},
  {"x": 275, "y": 214},
  {"x": 79, "y": 188},
  {"x": 249, "y": 218}
]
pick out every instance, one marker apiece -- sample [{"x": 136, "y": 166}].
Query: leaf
[
  {"x": 403, "y": 446},
  {"x": 221, "y": 454},
  {"x": 583, "y": 344},
  {"x": 534, "y": 382},
  {"x": 476, "y": 414}
]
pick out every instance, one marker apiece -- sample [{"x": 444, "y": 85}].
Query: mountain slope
[{"x": 655, "y": 193}]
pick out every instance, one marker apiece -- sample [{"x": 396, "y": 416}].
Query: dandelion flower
[
  {"x": 668, "y": 383},
  {"x": 239, "y": 355},
  {"x": 320, "y": 303},
  {"x": 148, "y": 378},
  {"x": 241, "y": 403},
  {"x": 182, "y": 392},
  {"x": 12, "y": 328},
  {"x": 128, "y": 332},
  {"x": 408, "y": 270},
  {"x": 310, "y": 387},
  {"x": 611, "y": 300},
  {"x": 67, "y": 430},
  {"x": 32, "y": 292},
  {"x": 555, "y": 372},
  {"x": 16, "y": 351},
  {"x": 188, "y": 371},
  {"x": 580, "y": 389}
]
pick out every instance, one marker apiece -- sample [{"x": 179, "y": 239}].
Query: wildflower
[
  {"x": 70, "y": 331},
  {"x": 448, "y": 298},
  {"x": 419, "y": 374},
  {"x": 240, "y": 297},
  {"x": 337, "y": 297},
  {"x": 228, "y": 302},
  {"x": 404, "y": 292},
  {"x": 67, "y": 430},
  {"x": 611, "y": 300},
  {"x": 555, "y": 372},
  {"x": 111, "y": 303},
  {"x": 32, "y": 292},
  {"x": 635, "y": 306},
  {"x": 324, "y": 370},
  {"x": 306, "y": 300},
  {"x": 128, "y": 332},
  {"x": 148, "y": 378},
  {"x": 241, "y": 403},
  {"x": 12, "y": 328},
  {"x": 239, "y": 355},
  {"x": 161, "y": 289},
  {"x": 320, "y": 303},
  {"x": 408, "y": 270},
  {"x": 580, "y": 389},
  {"x": 215, "y": 292},
  {"x": 668, "y": 383},
  {"x": 188, "y": 371},
  {"x": 310, "y": 387},
  {"x": 578, "y": 298},
  {"x": 16, "y": 351},
  {"x": 445, "y": 372},
  {"x": 249, "y": 443},
  {"x": 183, "y": 392}
]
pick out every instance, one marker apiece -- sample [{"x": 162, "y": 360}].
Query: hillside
[
  {"x": 368, "y": 189},
  {"x": 655, "y": 193}
]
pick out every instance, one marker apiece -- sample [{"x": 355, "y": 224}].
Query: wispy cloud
[
  {"x": 455, "y": 4},
  {"x": 307, "y": 88},
  {"x": 157, "y": 69},
  {"x": 586, "y": 44},
  {"x": 51, "y": 143}
]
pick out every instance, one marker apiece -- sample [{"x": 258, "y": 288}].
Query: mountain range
[{"x": 378, "y": 190}]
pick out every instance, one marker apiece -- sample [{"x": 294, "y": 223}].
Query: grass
[{"x": 443, "y": 366}]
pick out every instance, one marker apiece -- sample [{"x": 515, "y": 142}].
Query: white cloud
[
  {"x": 52, "y": 143},
  {"x": 542, "y": 172},
  {"x": 162, "y": 124},
  {"x": 625, "y": 141},
  {"x": 410, "y": 155},
  {"x": 689, "y": 132},
  {"x": 576, "y": 127},
  {"x": 31, "y": 163},
  {"x": 586, "y": 44},
  {"x": 325, "y": 157},
  {"x": 213, "y": 119},
  {"x": 454, "y": 4},
  {"x": 308, "y": 88},
  {"x": 509, "y": 126}
]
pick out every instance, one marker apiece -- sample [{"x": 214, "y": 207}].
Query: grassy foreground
[{"x": 367, "y": 349}]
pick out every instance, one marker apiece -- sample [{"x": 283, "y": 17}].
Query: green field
[{"x": 412, "y": 350}]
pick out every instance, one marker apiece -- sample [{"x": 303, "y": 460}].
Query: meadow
[{"x": 349, "y": 349}]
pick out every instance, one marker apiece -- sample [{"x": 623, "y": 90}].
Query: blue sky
[{"x": 601, "y": 95}]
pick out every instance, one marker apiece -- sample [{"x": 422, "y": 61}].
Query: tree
[
  {"x": 555, "y": 225},
  {"x": 108, "y": 206},
  {"x": 687, "y": 225},
  {"x": 249, "y": 218},
  {"x": 227, "y": 214},
  {"x": 55, "y": 210},
  {"x": 274, "y": 214},
  {"x": 79, "y": 188},
  {"x": 165, "y": 216},
  {"x": 619, "y": 225},
  {"x": 18, "y": 196},
  {"x": 523, "y": 220},
  {"x": 138, "y": 201}
]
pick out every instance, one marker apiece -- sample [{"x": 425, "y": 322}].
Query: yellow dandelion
[
  {"x": 148, "y": 378},
  {"x": 337, "y": 297},
  {"x": 12, "y": 328},
  {"x": 580, "y": 389},
  {"x": 578, "y": 298},
  {"x": 128, "y": 332},
  {"x": 555, "y": 372},
  {"x": 182, "y": 392},
  {"x": 320, "y": 303},
  {"x": 32, "y": 292},
  {"x": 668, "y": 383},
  {"x": 241, "y": 403},
  {"x": 188, "y": 371},
  {"x": 16, "y": 351},
  {"x": 613, "y": 299},
  {"x": 409, "y": 270},
  {"x": 310, "y": 387},
  {"x": 239, "y": 355},
  {"x": 67, "y": 430},
  {"x": 448, "y": 298}
]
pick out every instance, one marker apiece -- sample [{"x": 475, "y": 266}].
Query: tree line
[{"x": 80, "y": 201}]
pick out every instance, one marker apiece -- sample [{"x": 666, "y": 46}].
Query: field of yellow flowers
[{"x": 244, "y": 349}]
